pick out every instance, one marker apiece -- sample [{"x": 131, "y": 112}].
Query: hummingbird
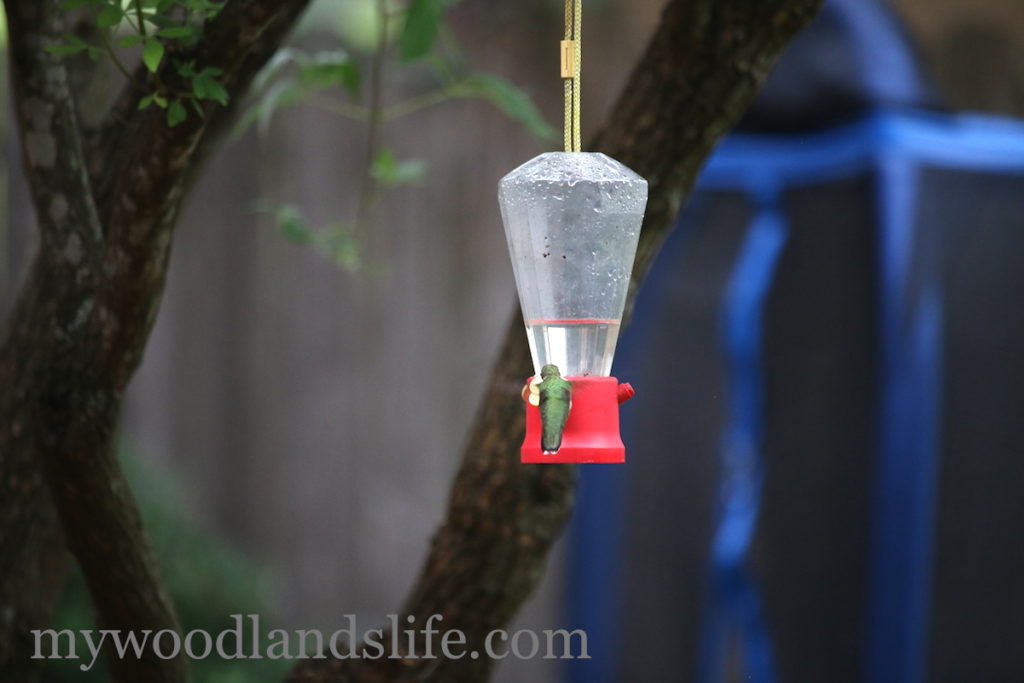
[{"x": 555, "y": 404}]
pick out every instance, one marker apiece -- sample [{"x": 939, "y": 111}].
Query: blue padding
[
  {"x": 894, "y": 143},
  {"x": 594, "y": 583},
  {"x": 907, "y": 477},
  {"x": 734, "y": 608},
  {"x": 974, "y": 143}
]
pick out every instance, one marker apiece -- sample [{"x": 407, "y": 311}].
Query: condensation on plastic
[{"x": 572, "y": 221}]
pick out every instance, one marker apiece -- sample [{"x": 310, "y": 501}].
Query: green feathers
[{"x": 555, "y": 403}]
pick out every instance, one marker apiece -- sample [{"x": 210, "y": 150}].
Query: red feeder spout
[{"x": 592, "y": 430}]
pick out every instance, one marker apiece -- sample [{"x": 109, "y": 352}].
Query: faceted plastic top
[
  {"x": 566, "y": 167},
  {"x": 572, "y": 221}
]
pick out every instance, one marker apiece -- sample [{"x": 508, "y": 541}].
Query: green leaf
[
  {"x": 176, "y": 113},
  {"x": 422, "y": 24},
  {"x": 391, "y": 172},
  {"x": 199, "y": 87},
  {"x": 203, "y": 8},
  {"x": 152, "y": 53},
  {"x": 292, "y": 225},
  {"x": 511, "y": 100},
  {"x": 343, "y": 245},
  {"x": 74, "y": 47},
  {"x": 130, "y": 40},
  {"x": 215, "y": 91},
  {"x": 337, "y": 241},
  {"x": 161, "y": 21},
  {"x": 176, "y": 32},
  {"x": 350, "y": 77},
  {"x": 75, "y": 4},
  {"x": 186, "y": 69},
  {"x": 155, "y": 98},
  {"x": 328, "y": 69},
  {"x": 206, "y": 87},
  {"x": 110, "y": 16}
]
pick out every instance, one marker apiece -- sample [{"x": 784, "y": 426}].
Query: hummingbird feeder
[{"x": 572, "y": 220}]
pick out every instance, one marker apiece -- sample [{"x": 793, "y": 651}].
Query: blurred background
[{"x": 882, "y": 492}]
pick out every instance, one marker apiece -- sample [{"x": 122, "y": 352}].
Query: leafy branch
[
  {"x": 155, "y": 28},
  {"x": 331, "y": 81}
]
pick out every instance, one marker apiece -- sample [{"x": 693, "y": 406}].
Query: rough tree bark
[
  {"x": 105, "y": 204},
  {"x": 703, "y": 67}
]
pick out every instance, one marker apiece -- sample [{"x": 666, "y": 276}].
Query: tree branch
[
  {"x": 81, "y": 322},
  {"x": 31, "y": 556},
  {"x": 701, "y": 70}
]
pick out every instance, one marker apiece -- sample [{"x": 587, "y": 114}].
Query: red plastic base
[{"x": 592, "y": 430}]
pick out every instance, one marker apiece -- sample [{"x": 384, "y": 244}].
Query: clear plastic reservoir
[{"x": 572, "y": 221}]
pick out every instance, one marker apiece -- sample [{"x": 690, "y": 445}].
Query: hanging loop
[{"x": 571, "y": 58}]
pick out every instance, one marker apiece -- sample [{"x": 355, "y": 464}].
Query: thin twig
[
  {"x": 368, "y": 194},
  {"x": 141, "y": 20},
  {"x": 108, "y": 47},
  {"x": 419, "y": 102}
]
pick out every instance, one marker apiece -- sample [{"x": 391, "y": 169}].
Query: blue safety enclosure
[{"x": 804, "y": 352}]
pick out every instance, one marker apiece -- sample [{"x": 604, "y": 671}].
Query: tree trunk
[
  {"x": 700, "y": 72},
  {"x": 80, "y": 324}
]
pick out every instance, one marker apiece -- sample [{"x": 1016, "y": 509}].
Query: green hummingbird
[{"x": 555, "y": 404}]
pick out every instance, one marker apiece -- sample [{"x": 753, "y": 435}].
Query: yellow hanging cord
[{"x": 571, "y": 63}]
